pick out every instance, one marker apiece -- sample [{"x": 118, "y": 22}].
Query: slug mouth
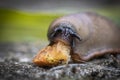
[{"x": 61, "y": 38}]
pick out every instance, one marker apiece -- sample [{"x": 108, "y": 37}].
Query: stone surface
[{"x": 16, "y": 64}]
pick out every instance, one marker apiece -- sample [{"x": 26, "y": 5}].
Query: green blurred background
[{"x": 28, "y": 20}]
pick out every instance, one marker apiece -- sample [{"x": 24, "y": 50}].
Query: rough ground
[{"x": 16, "y": 64}]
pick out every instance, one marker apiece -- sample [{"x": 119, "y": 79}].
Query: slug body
[{"x": 89, "y": 35}]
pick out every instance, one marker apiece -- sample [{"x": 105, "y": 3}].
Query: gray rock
[{"x": 14, "y": 68}]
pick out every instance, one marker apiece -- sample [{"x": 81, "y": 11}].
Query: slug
[{"x": 85, "y": 35}]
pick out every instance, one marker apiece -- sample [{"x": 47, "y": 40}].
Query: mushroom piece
[{"x": 56, "y": 54}]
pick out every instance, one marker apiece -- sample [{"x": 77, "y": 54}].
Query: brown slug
[{"x": 88, "y": 35}]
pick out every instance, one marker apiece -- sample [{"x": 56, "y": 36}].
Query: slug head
[{"x": 64, "y": 32}]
